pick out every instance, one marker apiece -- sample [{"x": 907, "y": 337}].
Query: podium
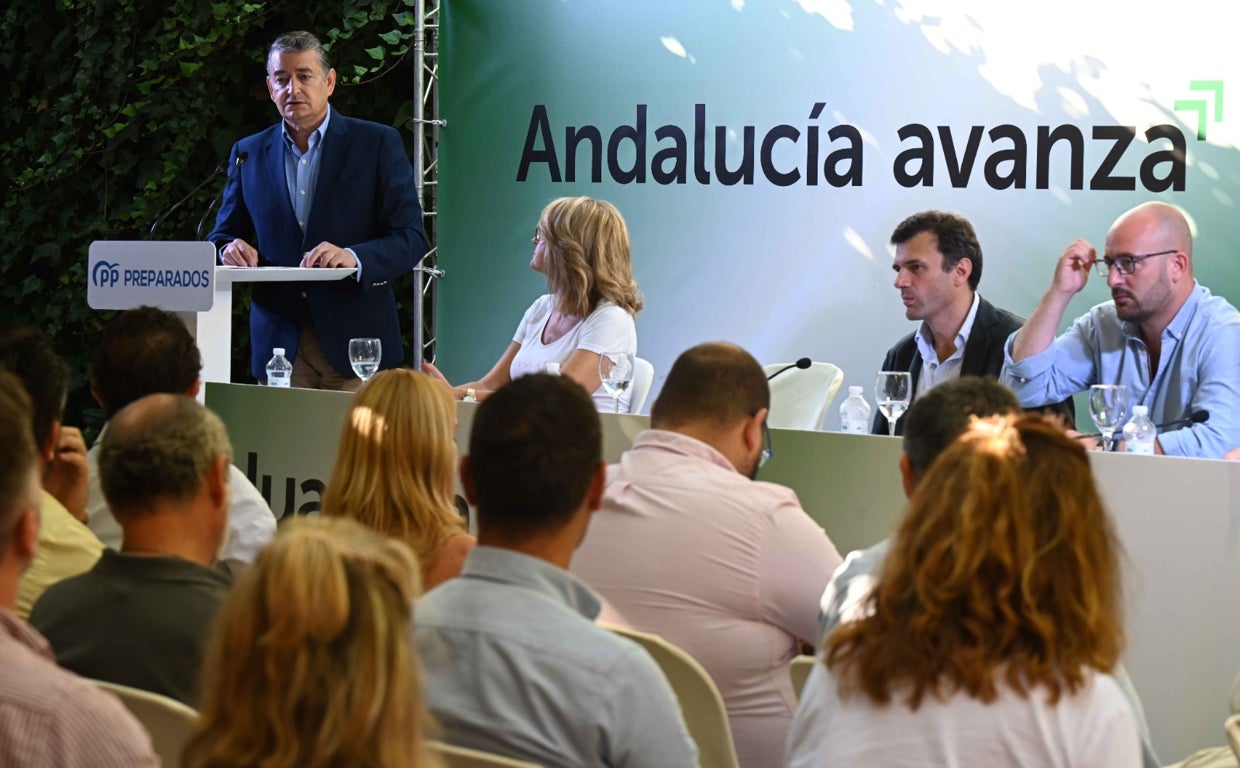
[
  {"x": 212, "y": 329},
  {"x": 183, "y": 277}
]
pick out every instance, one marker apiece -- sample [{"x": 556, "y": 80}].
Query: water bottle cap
[
  {"x": 1140, "y": 410},
  {"x": 278, "y": 352},
  {"x": 854, "y": 391}
]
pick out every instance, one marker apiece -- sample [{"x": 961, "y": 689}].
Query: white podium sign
[{"x": 176, "y": 276}]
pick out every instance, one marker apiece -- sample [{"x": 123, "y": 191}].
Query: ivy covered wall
[{"x": 116, "y": 109}]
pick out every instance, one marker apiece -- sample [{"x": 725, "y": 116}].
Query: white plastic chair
[
  {"x": 643, "y": 377},
  {"x": 1232, "y": 726},
  {"x": 800, "y": 397},
  {"x": 700, "y": 702},
  {"x": 799, "y": 669},
  {"x": 463, "y": 757},
  {"x": 169, "y": 722}
]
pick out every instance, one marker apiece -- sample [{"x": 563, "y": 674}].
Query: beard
[{"x": 1139, "y": 309}]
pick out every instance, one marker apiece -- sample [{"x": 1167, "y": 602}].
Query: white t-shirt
[
  {"x": 1093, "y": 728},
  {"x": 607, "y": 329}
]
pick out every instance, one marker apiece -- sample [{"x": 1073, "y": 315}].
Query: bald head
[
  {"x": 711, "y": 384},
  {"x": 159, "y": 449},
  {"x": 1156, "y": 222}
]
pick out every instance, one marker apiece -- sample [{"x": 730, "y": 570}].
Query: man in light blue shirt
[
  {"x": 1167, "y": 338},
  {"x": 514, "y": 663}
]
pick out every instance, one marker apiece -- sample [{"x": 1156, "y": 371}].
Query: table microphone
[
  {"x": 803, "y": 363},
  {"x": 1197, "y": 417}
]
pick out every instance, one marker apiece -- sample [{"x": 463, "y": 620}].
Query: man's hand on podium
[
  {"x": 239, "y": 253},
  {"x": 328, "y": 255}
]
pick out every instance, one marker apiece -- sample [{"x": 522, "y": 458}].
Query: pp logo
[{"x": 105, "y": 274}]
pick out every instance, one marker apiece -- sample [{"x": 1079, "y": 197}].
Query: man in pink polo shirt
[{"x": 688, "y": 546}]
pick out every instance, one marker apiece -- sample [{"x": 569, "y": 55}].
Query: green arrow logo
[{"x": 1202, "y": 106}]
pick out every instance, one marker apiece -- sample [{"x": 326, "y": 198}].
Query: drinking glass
[
  {"x": 893, "y": 390},
  {"x": 615, "y": 369},
  {"x": 1108, "y": 406},
  {"x": 364, "y": 356}
]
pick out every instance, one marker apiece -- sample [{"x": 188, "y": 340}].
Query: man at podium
[{"x": 319, "y": 189}]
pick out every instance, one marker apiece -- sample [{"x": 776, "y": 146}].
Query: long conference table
[{"x": 1178, "y": 520}]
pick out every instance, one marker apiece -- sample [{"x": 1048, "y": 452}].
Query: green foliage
[{"x": 118, "y": 108}]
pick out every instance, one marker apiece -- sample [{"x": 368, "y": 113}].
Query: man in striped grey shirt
[{"x": 48, "y": 716}]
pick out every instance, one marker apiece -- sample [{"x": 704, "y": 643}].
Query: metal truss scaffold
[{"x": 426, "y": 125}]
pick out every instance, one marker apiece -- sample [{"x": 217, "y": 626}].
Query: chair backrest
[
  {"x": 461, "y": 757},
  {"x": 169, "y": 722},
  {"x": 799, "y": 669},
  {"x": 1232, "y": 726},
  {"x": 700, "y": 702},
  {"x": 800, "y": 397},
  {"x": 643, "y": 377}
]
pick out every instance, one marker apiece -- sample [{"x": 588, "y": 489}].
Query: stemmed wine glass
[
  {"x": 1108, "y": 405},
  {"x": 364, "y": 356},
  {"x": 893, "y": 390},
  {"x": 615, "y": 369}
]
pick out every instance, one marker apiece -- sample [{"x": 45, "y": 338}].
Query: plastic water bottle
[
  {"x": 855, "y": 413},
  {"x": 279, "y": 369},
  {"x": 1139, "y": 432}
]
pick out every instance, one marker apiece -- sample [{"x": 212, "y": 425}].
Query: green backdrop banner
[{"x": 762, "y": 152}]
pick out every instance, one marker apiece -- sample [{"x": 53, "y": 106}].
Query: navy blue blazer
[
  {"x": 365, "y": 199},
  {"x": 983, "y": 356}
]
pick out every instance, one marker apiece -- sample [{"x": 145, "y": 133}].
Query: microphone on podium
[
  {"x": 241, "y": 158},
  {"x": 803, "y": 363},
  {"x": 160, "y": 219}
]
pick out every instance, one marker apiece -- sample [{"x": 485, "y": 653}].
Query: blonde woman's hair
[
  {"x": 396, "y": 463},
  {"x": 1004, "y": 569},
  {"x": 588, "y": 259},
  {"x": 311, "y": 664}
]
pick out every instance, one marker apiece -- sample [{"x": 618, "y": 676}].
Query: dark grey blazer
[{"x": 983, "y": 356}]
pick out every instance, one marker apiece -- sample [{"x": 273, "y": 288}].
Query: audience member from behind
[
  {"x": 993, "y": 626},
  {"x": 514, "y": 661},
  {"x": 582, "y": 246},
  {"x": 688, "y": 547},
  {"x": 48, "y": 717},
  {"x": 66, "y": 545},
  {"x": 933, "y": 422},
  {"x": 396, "y": 469},
  {"x": 147, "y": 351},
  {"x": 311, "y": 663},
  {"x": 140, "y": 616}
]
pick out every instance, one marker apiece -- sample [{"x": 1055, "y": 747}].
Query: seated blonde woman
[
  {"x": 582, "y": 245},
  {"x": 311, "y": 662},
  {"x": 993, "y": 625},
  {"x": 396, "y": 470}
]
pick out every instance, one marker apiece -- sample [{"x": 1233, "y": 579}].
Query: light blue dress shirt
[
  {"x": 514, "y": 664},
  {"x": 933, "y": 372},
  {"x": 1198, "y": 368},
  {"x": 301, "y": 174}
]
